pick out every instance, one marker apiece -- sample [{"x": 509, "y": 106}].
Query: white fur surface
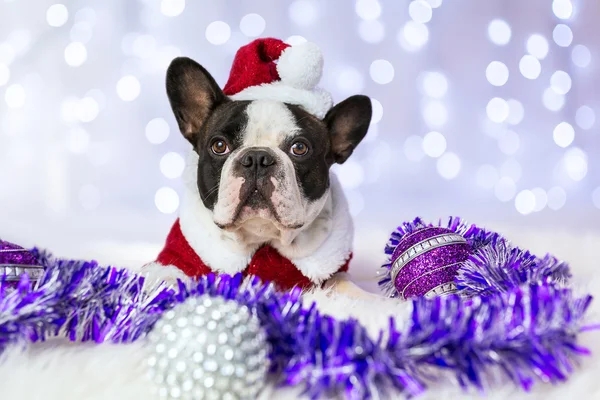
[
  {"x": 315, "y": 101},
  {"x": 64, "y": 371}
]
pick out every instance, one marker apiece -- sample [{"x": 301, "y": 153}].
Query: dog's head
[{"x": 261, "y": 163}]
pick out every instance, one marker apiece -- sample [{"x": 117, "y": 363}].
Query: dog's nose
[{"x": 258, "y": 159}]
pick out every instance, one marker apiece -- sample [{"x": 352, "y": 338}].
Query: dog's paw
[{"x": 156, "y": 274}]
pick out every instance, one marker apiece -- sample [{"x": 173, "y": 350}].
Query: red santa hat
[{"x": 270, "y": 69}]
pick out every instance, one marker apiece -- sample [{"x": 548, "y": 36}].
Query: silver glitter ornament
[{"x": 208, "y": 348}]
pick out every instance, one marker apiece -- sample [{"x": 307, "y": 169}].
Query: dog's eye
[
  {"x": 299, "y": 149},
  {"x": 219, "y": 147}
]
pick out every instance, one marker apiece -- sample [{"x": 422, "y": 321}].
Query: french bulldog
[{"x": 260, "y": 176}]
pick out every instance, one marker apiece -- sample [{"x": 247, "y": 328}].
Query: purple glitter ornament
[
  {"x": 425, "y": 262},
  {"x": 15, "y": 261}
]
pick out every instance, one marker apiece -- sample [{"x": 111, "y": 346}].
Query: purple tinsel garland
[{"x": 525, "y": 332}]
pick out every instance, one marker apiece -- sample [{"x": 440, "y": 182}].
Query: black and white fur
[{"x": 260, "y": 192}]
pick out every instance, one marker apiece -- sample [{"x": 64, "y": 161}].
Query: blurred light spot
[
  {"x": 448, "y": 165},
  {"x": 15, "y": 96},
  {"x": 541, "y": 199},
  {"x": 89, "y": 197},
  {"x": 57, "y": 15},
  {"x": 497, "y": 73},
  {"x": 563, "y": 9},
  {"x": 218, "y": 32},
  {"x": 562, "y": 35},
  {"x": 381, "y": 71},
  {"x": 435, "y": 3},
  {"x": 75, "y": 54},
  {"x": 303, "y": 12},
  {"x": 563, "y": 134},
  {"x": 4, "y": 74},
  {"x": 295, "y": 39},
  {"x": 557, "y": 197},
  {"x": 81, "y": 32},
  {"x": 530, "y": 67},
  {"x": 351, "y": 174},
  {"x": 68, "y": 109},
  {"x": 511, "y": 169},
  {"x": 497, "y": 110},
  {"x": 172, "y": 8},
  {"x": 434, "y": 144},
  {"x": 560, "y": 82},
  {"x": 127, "y": 43},
  {"x": 20, "y": 40},
  {"x": 172, "y": 165},
  {"x": 97, "y": 95},
  {"x": 86, "y": 15},
  {"x": 356, "y": 202},
  {"x": 420, "y": 11},
  {"x": 7, "y": 53},
  {"x": 350, "y": 81},
  {"x": 371, "y": 31},
  {"x": 435, "y": 114},
  {"x": 596, "y": 197},
  {"x": 499, "y": 32},
  {"x": 144, "y": 46},
  {"x": 78, "y": 141},
  {"x": 157, "y": 131},
  {"x": 413, "y": 36},
  {"x": 435, "y": 84},
  {"x": 537, "y": 46},
  {"x": 575, "y": 161},
  {"x": 87, "y": 109},
  {"x": 525, "y": 202},
  {"x": 581, "y": 56},
  {"x": 413, "y": 148},
  {"x": 377, "y": 111},
  {"x": 552, "y": 100},
  {"x": 252, "y": 25},
  {"x": 516, "y": 112},
  {"x": 128, "y": 88},
  {"x": 163, "y": 57},
  {"x": 505, "y": 189},
  {"x": 584, "y": 117},
  {"x": 487, "y": 176},
  {"x": 368, "y": 9},
  {"x": 372, "y": 134},
  {"x": 166, "y": 200},
  {"x": 509, "y": 142}
]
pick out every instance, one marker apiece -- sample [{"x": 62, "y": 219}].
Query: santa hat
[{"x": 270, "y": 69}]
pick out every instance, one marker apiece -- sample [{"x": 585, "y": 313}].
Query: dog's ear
[
  {"x": 348, "y": 123},
  {"x": 193, "y": 94}
]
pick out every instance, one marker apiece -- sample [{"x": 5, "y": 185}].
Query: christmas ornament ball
[
  {"x": 16, "y": 261},
  {"x": 208, "y": 348},
  {"x": 425, "y": 262}
]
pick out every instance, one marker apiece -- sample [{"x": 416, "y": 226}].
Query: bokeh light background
[{"x": 483, "y": 109}]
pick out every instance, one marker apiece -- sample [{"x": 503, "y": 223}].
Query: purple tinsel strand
[
  {"x": 498, "y": 267},
  {"x": 526, "y": 332}
]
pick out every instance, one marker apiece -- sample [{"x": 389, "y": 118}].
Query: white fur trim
[
  {"x": 216, "y": 248},
  {"x": 335, "y": 249},
  {"x": 316, "y": 101},
  {"x": 301, "y": 66}
]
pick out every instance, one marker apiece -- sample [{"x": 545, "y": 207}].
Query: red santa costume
[{"x": 195, "y": 246}]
